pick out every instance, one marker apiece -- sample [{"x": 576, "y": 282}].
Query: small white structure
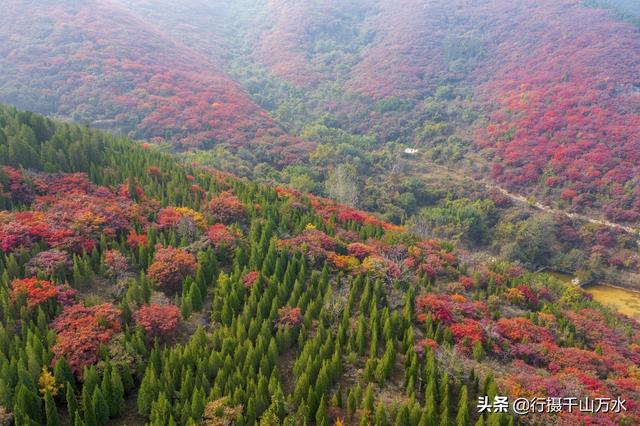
[{"x": 411, "y": 151}]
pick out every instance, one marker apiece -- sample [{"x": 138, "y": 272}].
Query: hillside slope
[
  {"x": 132, "y": 285},
  {"x": 564, "y": 95},
  {"x": 555, "y": 81},
  {"x": 546, "y": 91},
  {"x": 95, "y": 62}
]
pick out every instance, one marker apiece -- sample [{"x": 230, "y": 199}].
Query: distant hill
[
  {"x": 564, "y": 88},
  {"x": 628, "y": 9},
  {"x": 178, "y": 294},
  {"x": 557, "y": 84},
  {"x": 546, "y": 92},
  {"x": 97, "y": 63}
]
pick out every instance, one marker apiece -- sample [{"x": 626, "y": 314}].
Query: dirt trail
[
  {"x": 421, "y": 163},
  {"x": 576, "y": 216}
]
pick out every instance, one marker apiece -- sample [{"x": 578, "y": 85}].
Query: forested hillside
[
  {"x": 545, "y": 91},
  {"x": 318, "y": 212},
  {"x": 137, "y": 289},
  {"x": 556, "y": 81},
  {"x": 539, "y": 96},
  {"x": 565, "y": 120},
  {"x": 625, "y": 9},
  {"x": 364, "y": 80},
  {"x": 95, "y": 62}
]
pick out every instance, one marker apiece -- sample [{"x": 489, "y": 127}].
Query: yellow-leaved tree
[{"x": 47, "y": 383}]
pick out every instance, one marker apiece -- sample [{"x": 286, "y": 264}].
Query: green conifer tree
[
  {"x": 381, "y": 416},
  {"x": 50, "y": 410},
  {"x": 101, "y": 407},
  {"x": 322, "y": 418},
  {"x": 117, "y": 396},
  {"x": 72, "y": 402},
  {"x": 462, "y": 418},
  {"x": 77, "y": 419}
]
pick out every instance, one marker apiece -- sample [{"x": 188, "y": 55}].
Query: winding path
[
  {"x": 577, "y": 216},
  {"x": 458, "y": 174}
]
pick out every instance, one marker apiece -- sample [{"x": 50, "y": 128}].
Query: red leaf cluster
[
  {"x": 314, "y": 243},
  {"x": 222, "y": 237},
  {"x": 170, "y": 267},
  {"x": 436, "y": 305},
  {"x": 430, "y": 258},
  {"x": 49, "y": 262},
  {"x": 17, "y": 188},
  {"x": 80, "y": 332},
  {"x": 345, "y": 214},
  {"x": 330, "y": 211},
  {"x": 226, "y": 208},
  {"x": 449, "y": 308},
  {"x": 168, "y": 217},
  {"x": 288, "y": 316},
  {"x": 70, "y": 214},
  {"x": 530, "y": 295},
  {"x": 115, "y": 262},
  {"x": 589, "y": 361},
  {"x": 359, "y": 250},
  {"x": 135, "y": 240},
  {"x": 468, "y": 328},
  {"x": 422, "y": 345},
  {"x": 66, "y": 295},
  {"x": 154, "y": 171},
  {"x": 250, "y": 278},
  {"x": 173, "y": 217},
  {"x": 158, "y": 320},
  {"x": 37, "y": 291},
  {"x": 520, "y": 329},
  {"x": 467, "y": 282}
]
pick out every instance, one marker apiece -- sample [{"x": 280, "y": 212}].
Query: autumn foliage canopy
[
  {"x": 170, "y": 266},
  {"x": 36, "y": 291},
  {"x": 158, "y": 320},
  {"x": 80, "y": 332}
]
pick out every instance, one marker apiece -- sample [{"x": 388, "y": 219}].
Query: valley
[{"x": 320, "y": 212}]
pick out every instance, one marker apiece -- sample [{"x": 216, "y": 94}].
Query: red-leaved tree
[
  {"x": 250, "y": 278},
  {"x": 35, "y": 290},
  {"x": 226, "y": 208},
  {"x": 170, "y": 266},
  {"x": 288, "y": 316},
  {"x": 158, "y": 320},
  {"x": 115, "y": 263},
  {"x": 222, "y": 237},
  {"x": 50, "y": 263},
  {"x": 135, "y": 240},
  {"x": 80, "y": 332}
]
